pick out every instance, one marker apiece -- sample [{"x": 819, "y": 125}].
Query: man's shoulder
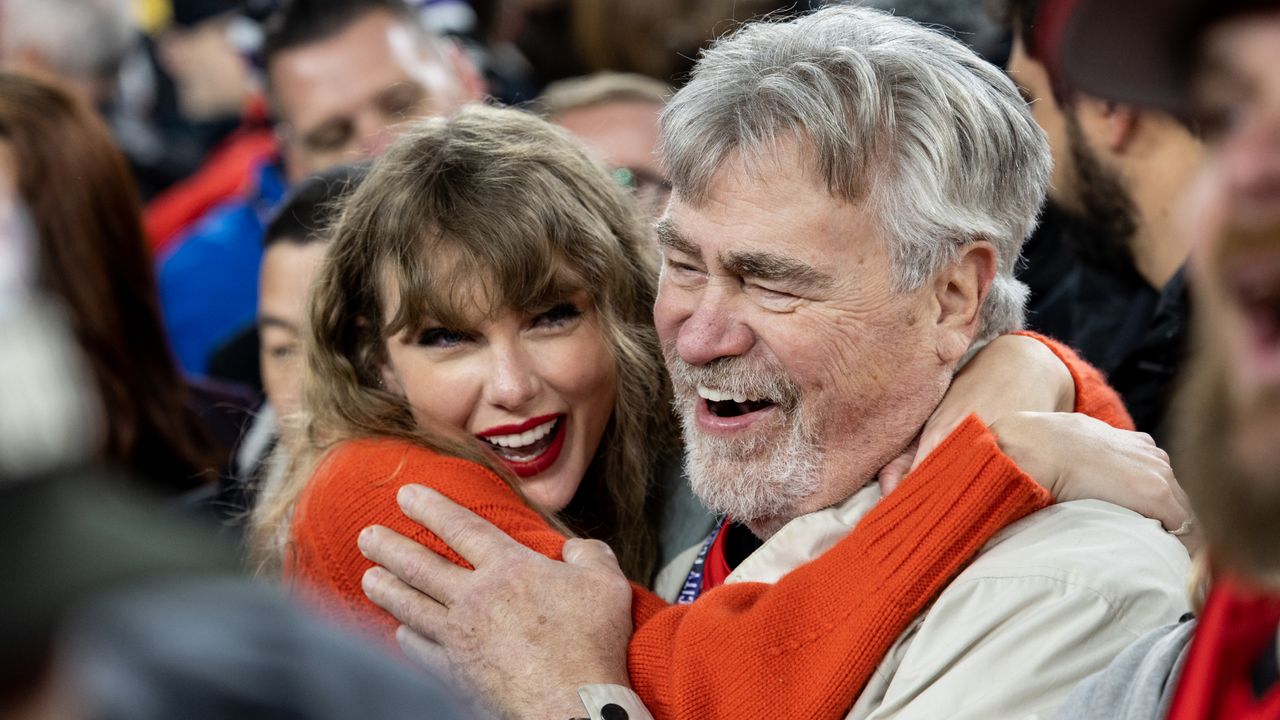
[
  {"x": 1048, "y": 601},
  {"x": 1097, "y": 557},
  {"x": 227, "y": 223},
  {"x": 1088, "y": 543}
]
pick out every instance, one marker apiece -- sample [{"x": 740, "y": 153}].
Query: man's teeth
[
  {"x": 525, "y": 438},
  {"x": 710, "y": 395}
]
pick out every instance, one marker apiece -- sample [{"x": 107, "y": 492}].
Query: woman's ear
[
  {"x": 959, "y": 291},
  {"x": 388, "y": 380}
]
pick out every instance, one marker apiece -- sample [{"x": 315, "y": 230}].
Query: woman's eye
[
  {"x": 559, "y": 314},
  {"x": 441, "y": 338}
]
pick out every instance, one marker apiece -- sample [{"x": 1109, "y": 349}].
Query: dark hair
[
  {"x": 302, "y": 22},
  {"x": 1017, "y": 17},
  {"x": 1021, "y": 18},
  {"x": 312, "y": 206},
  {"x": 964, "y": 20},
  {"x": 94, "y": 258}
]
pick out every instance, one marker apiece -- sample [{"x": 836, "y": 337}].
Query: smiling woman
[{"x": 488, "y": 295}]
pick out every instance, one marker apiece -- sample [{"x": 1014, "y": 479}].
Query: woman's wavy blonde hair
[{"x": 499, "y": 201}]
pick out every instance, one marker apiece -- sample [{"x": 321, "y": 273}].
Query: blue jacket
[{"x": 209, "y": 278}]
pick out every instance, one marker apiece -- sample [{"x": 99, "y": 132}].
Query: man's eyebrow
[
  {"x": 765, "y": 265},
  {"x": 669, "y": 237}
]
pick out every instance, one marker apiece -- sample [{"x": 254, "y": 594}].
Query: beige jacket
[{"x": 1050, "y": 600}]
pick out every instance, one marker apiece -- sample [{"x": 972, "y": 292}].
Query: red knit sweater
[{"x": 803, "y": 647}]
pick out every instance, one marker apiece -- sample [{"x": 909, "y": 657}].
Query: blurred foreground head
[
  {"x": 58, "y": 162},
  {"x": 81, "y": 42},
  {"x": 1216, "y": 64}
]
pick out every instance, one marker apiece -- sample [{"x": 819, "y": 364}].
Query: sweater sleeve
[
  {"x": 1094, "y": 397},
  {"x": 355, "y": 487},
  {"x": 810, "y": 643}
]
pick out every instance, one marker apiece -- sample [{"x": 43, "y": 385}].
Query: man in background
[
  {"x": 343, "y": 77},
  {"x": 294, "y": 247},
  {"x": 1119, "y": 173},
  {"x": 1217, "y": 64},
  {"x": 616, "y": 116}
]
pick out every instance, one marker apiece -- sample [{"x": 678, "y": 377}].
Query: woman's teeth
[{"x": 524, "y": 439}]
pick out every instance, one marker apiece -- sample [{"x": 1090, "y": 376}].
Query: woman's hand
[
  {"x": 1076, "y": 457},
  {"x": 1012, "y": 373}
]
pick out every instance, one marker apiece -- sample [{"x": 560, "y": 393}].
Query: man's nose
[{"x": 714, "y": 329}]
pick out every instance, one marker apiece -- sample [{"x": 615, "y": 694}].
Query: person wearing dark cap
[
  {"x": 1119, "y": 171},
  {"x": 1215, "y": 63}
]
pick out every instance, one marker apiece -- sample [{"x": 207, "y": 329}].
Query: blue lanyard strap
[{"x": 693, "y": 581}]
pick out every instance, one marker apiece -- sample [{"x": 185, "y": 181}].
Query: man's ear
[
  {"x": 1121, "y": 126},
  {"x": 1111, "y": 125},
  {"x": 959, "y": 291}
]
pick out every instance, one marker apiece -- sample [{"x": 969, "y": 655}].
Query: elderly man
[
  {"x": 850, "y": 193},
  {"x": 1215, "y": 63}
]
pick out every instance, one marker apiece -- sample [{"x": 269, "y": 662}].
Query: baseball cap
[{"x": 1142, "y": 51}]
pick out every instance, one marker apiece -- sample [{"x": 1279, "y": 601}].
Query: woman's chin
[{"x": 549, "y": 492}]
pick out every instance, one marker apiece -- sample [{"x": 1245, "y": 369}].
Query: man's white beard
[{"x": 761, "y": 479}]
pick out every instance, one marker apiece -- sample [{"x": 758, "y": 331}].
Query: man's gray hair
[
  {"x": 80, "y": 39},
  {"x": 936, "y": 142}
]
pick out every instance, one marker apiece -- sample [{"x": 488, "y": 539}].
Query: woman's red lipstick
[
  {"x": 529, "y": 424},
  {"x": 546, "y": 458}
]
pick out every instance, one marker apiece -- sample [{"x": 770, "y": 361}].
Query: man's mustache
[{"x": 735, "y": 375}]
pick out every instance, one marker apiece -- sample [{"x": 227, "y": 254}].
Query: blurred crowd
[{"x": 665, "y": 359}]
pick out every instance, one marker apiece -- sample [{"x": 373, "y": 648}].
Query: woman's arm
[{"x": 1018, "y": 372}]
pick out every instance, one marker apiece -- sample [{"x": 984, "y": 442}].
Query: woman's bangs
[{"x": 458, "y": 284}]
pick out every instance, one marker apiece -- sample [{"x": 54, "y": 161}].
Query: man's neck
[
  {"x": 1158, "y": 185},
  {"x": 1157, "y": 251}
]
